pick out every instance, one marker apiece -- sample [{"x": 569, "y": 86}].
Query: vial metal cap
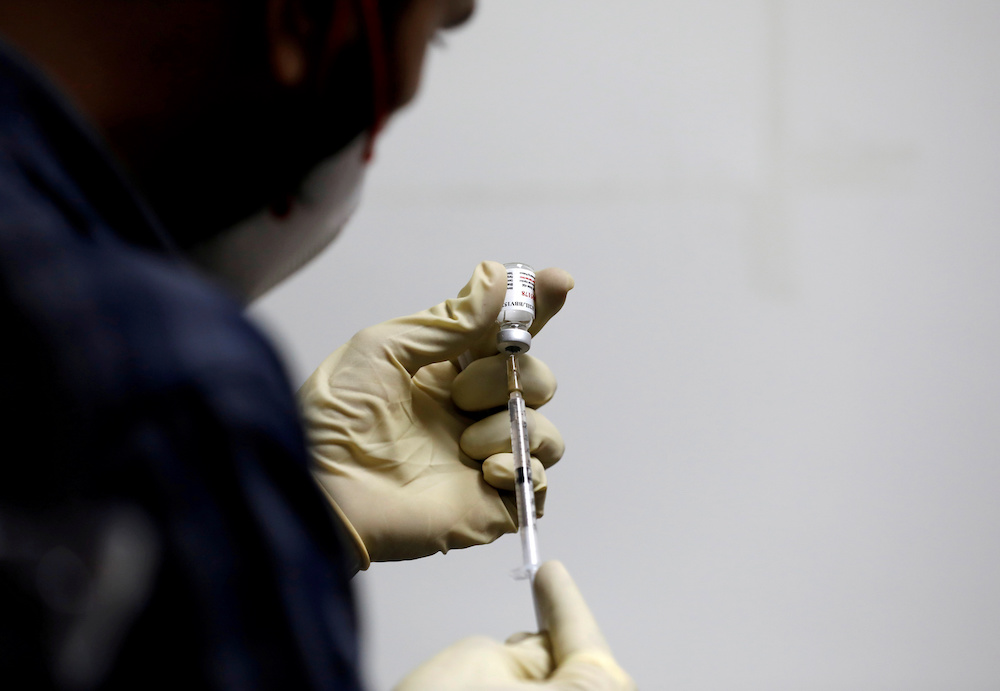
[{"x": 513, "y": 340}]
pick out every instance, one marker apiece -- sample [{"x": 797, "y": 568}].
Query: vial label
[{"x": 519, "y": 302}]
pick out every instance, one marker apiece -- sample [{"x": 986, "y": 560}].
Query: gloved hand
[
  {"x": 570, "y": 655},
  {"x": 398, "y": 436}
]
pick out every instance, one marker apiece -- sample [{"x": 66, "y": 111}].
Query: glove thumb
[
  {"x": 446, "y": 330},
  {"x": 579, "y": 650}
]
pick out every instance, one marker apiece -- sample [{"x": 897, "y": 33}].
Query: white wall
[{"x": 779, "y": 380}]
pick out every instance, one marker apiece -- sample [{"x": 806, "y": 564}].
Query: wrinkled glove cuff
[{"x": 364, "y": 560}]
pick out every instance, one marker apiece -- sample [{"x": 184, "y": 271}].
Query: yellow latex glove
[
  {"x": 570, "y": 655},
  {"x": 398, "y": 436}
]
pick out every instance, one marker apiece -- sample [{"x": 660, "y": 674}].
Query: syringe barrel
[{"x": 523, "y": 482}]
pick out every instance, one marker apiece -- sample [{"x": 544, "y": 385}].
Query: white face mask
[{"x": 256, "y": 254}]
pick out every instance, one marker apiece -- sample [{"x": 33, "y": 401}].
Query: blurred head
[{"x": 220, "y": 107}]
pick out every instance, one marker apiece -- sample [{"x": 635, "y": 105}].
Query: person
[{"x": 176, "y": 515}]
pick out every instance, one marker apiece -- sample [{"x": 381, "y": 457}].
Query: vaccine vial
[{"x": 518, "y": 309}]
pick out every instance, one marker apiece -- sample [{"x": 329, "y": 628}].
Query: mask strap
[{"x": 372, "y": 26}]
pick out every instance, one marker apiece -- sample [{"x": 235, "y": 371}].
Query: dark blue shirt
[{"x": 158, "y": 525}]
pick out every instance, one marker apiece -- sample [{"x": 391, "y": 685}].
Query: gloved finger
[
  {"x": 491, "y": 435},
  {"x": 498, "y": 471},
  {"x": 482, "y": 663},
  {"x": 567, "y": 618},
  {"x": 436, "y": 381},
  {"x": 532, "y": 654},
  {"x": 483, "y": 384},
  {"x": 516, "y": 638},
  {"x": 510, "y": 503},
  {"x": 551, "y": 287},
  {"x": 444, "y": 331},
  {"x": 579, "y": 650},
  {"x": 464, "y": 665}
]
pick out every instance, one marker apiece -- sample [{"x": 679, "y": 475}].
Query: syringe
[
  {"x": 524, "y": 487},
  {"x": 513, "y": 339}
]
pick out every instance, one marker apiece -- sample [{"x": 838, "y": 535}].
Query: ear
[{"x": 304, "y": 36}]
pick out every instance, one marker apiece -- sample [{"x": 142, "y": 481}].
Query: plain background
[{"x": 779, "y": 380}]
